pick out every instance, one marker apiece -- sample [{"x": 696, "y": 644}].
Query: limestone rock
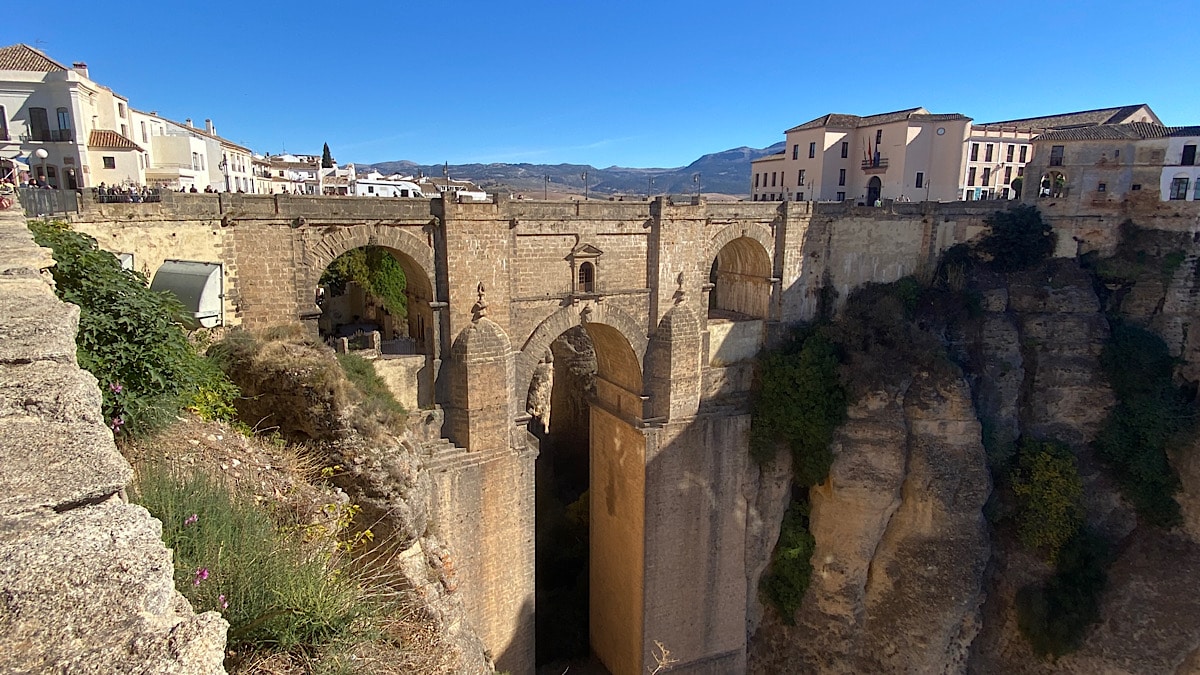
[
  {"x": 91, "y": 591},
  {"x": 901, "y": 543}
]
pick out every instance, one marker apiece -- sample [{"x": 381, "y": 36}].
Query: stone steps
[{"x": 441, "y": 456}]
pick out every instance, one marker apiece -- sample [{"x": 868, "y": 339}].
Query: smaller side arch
[
  {"x": 756, "y": 231},
  {"x": 357, "y": 236}
]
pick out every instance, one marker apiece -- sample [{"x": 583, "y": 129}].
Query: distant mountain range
[{"x": 725, "y": 172}]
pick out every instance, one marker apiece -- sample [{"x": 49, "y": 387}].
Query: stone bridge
[{"x": 676, "y": 297}]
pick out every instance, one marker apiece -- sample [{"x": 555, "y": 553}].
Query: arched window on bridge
[{"x": 587, "y": 278}]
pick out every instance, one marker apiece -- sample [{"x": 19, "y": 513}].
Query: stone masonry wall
[{"x": 86, "y": 585}]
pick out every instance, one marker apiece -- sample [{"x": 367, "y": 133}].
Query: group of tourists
[{"x": 133, "y": 194}]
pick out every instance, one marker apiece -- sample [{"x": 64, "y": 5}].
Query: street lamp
[
  {"x": 696, "y": 180},
  {"x": 41, "y": 154},
  {"x": 224, "y": 167},
  {"x": 546, "y": 188},
  {"x": 649, "y": 187},
  {"x": 585, "y": 185}
]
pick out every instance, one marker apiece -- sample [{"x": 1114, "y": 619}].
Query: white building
[
  {"x": 83, "y": 127},
  {"x": 375, "y": 184},
  {"x": 295, "y": 174}
]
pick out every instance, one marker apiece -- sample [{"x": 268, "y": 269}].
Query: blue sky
[{"x": 639, "y": 84}]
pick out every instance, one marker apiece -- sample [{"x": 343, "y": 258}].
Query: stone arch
[
  {"x": 740, "y": 274},
  {"x": 357, "y": 236},
  {"x": 413, "y": 254},
  {"x": 618, "y": 324},
  {"x": 760, "y": 233}
]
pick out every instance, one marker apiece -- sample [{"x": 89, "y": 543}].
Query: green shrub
[
  {"x": 130, "y": 338},
  {"x": 378, "y": 401},
  {"x": 1049, "y": 496},
  {"x": 790, "y": 573},
  {"x": 1019, "y": 239},
  {"x": 799, "y": 402},
  {"x": 1055, "y": 616},
  {"x": 376, "y": 271},
  {"x": 1151, "y": 414},
  {"x": 276, "y": 592}
]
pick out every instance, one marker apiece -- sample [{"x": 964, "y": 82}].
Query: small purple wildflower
[
  {"x": 116, "y": 387},
  {"x": 224, "y": 603},
  {"x": 117, "y": 423},
  {"x": 191, "y": 520},
  {"x": 201, "y": 575}
]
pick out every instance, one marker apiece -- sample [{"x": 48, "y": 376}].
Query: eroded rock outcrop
[
  {"x": 86, "y": 585},
  {"x": 901, "y": 542}
]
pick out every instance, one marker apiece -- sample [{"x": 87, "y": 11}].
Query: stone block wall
[{"x": 87, "y": 583}]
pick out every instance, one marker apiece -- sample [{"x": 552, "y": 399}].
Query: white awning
[{"x": 198, "y": 285}]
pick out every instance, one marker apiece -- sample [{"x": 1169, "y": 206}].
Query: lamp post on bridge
[
  {"x": 585, "y": 185},
  {"x": 42, "y": 154}
]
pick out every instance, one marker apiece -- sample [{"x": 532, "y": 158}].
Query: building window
[
  {"x": 1023, "y": 149},
  {"x": 800, "y": 178},
  {"x": 64, "y": 119},
  {"x": 971, "y": 176},
  {"x": 1020, "y": 171},
  {"x": 110, "y": 162},
  {"x": 987, "y": 153},
  {"x": 878, "y": 137},
  {"x": 1011, "y": 149},
  {"x": 195, "y": 162},
  {"x": 974, "y": 152},
  {"x": 841, "y": 196},
  {"x": 755, "y": 180},
  {"x": 125, "y": 130},
  {"x": 754, "y": 198},
  {"x": 845, "y": 149},
  {"x": 800, "y": 195},
  {"x": 1103, "y": 187},
  {"x": 841, "y": 176},
  {"x": 812, "y": 150},
  {"x": 120, "y": 110},
  {"x": 772, "y": 179},
  {"x": 1189, "y": 155},
  {"x": 796, "y": 151},
  {"x": 1179, "y": 187},
  {"x": 1056, "y": 155},
  {"x": 3, "y": 124},
  {"x": 920, "y": 179},
  {"x": 987, "y": 176},
  {"x": 1135, "y": 187},
  {"x": 39, "y": 124},
  {"x": 1007, "y": 174},
  {"x": 143, "y": 132}
]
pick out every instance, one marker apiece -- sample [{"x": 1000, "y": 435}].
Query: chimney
[
  {"x": 188, "y": 122},
  {"x": 80, "y": 67},
  {"x": 208, "y": 126}
]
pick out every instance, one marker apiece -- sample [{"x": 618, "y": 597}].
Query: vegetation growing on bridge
[
  {"x": 131, "y": 338},
  {"x": 376, "y": 271}
]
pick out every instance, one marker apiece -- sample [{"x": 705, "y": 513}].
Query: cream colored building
[
  {"x": 912, "y": 155},
  {"x": 904, "y": 155},
  {"x": 83, "y": 127}
]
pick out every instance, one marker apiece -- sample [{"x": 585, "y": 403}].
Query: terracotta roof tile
[
  {"x": 1134, "y": 131},
  {"x": 24, "y": 57},
  {"x": 1076, "y": 119},
  {"x": 107, "y": 139},
  {"x": 842, "y": 121}
]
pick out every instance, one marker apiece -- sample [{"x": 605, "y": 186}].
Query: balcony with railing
[
  {"x": 50, "y": 135},
  {"x": 876, "y": 164}
]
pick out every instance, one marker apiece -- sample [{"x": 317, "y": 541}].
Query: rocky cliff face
[{"x": 908, "y": 575}]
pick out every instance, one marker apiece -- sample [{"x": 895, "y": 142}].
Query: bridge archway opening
[
  {"x": 377, "y": 288},
  {"x": 741, "y": 281},
  {"x": 585, "y": 394}
]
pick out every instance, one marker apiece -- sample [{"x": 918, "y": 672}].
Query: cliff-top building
[{"x": 912, "y": 155}]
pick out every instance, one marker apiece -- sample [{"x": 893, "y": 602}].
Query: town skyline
[{"x": 634, "y": 86}]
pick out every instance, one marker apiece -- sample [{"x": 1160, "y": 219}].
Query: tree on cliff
[{"x": 326, "y": 158}]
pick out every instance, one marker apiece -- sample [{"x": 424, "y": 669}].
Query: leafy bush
[
  {"x": 276, "y": 592},
  {"x": 790, "y": 573},
  {"x": 799, "y": 402},
  {"x": 1151, "y": 414},
  {"x": 1019, "y": 239},
  {"x": 1049, "y": 496},
  {"x": 1055, "y": 616},
  {"x": 130, "y": 337},
  {"x": 375, "y": 270}
]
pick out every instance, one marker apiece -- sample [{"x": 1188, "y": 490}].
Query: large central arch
[{"x": 616, "y": 475}]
